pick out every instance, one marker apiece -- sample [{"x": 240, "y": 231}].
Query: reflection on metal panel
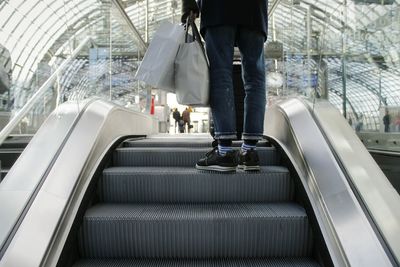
[
  {"x": 93, "y": 133},
  {"x": 336, "y": 207},
  {"x": 378, "y": 195}
]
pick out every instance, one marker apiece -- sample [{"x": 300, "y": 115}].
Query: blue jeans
[{"x": 220, "y": 42}]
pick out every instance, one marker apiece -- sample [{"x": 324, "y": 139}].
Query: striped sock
[
  {"x": 223, "y": 149},
  {"x": 246, "y": 147}
]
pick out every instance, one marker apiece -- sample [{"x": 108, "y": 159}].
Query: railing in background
[
  {"x": 66, "y": 70},
  {"x": 343, "y": 51},
  {"x": 5, "y": 132}
]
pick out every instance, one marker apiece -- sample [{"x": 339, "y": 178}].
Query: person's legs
[
  {"x": 251, "y": 46},
  {"x": 187, "y": 126},
  {"x": 219, "y": 44}
]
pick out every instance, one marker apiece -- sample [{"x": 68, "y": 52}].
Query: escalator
[
  {"x": 10, "y": 150},
  {"x": 151, "y": 207},
  {"x": 384, "y": 148},
  {"x": 389, "y": 162},
  {"x": 101, "y": 194}
]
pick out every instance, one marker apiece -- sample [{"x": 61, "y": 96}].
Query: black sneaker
[
  {"x": 215, "y": 162},
  {"x": 249, "y": 160}
]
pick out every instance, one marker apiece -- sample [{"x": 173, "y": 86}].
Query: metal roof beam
[
  {"x": 141, "y": 43},
  {"x": 273, "y": 7}
]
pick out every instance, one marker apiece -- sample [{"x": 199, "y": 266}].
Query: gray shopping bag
[
  {"x": 157, "y": 67},
  {"x": 192, "y": 81}
]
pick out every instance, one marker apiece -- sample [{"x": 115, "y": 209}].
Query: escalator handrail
[
  {"x": 385, "y": 152},
  {"x": 349, "y": 236},
  {"x": 45, "y": 228},
  {"x": 375, "y": 193},
  {"x": 5, "y": 132},
  {"x": 33, "y": 191}
]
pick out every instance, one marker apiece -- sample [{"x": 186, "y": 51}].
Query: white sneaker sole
[
  {"x": 249, "y": 168},
  {"x": 216, "y": 168}
]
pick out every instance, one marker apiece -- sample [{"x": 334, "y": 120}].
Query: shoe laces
[{"x": 212, "y": 151}]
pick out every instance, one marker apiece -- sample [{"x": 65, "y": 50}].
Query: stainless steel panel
[
  {"x": 48, "y": 221},
  {"x": 350, "y": 238},
  {"x": 24, "y": 176},
  {"x": 378, "y": 194}
]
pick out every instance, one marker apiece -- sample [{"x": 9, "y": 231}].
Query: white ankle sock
[
  {"x": 246, "y": 147},
  {"x": 223, "y": 149}
]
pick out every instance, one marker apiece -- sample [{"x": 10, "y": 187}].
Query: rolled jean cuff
[
  {"x": 246, "y": 136},
  {"x": 225, "y": 136}
]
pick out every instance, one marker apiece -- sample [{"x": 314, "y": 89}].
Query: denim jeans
[{"x": 220, "y": 42}]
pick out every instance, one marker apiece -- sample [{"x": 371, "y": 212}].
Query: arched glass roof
[
  {"x": 39, "y": 35},
  {"x": 32, "y": 28},
  {"x": 364, "y": 36},
  {"x": 358, "y": 42}
]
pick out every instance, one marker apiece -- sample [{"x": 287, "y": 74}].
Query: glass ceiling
[{"x": 359, "y": 43}]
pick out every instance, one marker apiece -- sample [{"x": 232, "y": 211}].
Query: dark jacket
[
  {"x": 250, "y": 13},
  {"x": 386, "y": 119},
  {"x": 176, "y": 115}
]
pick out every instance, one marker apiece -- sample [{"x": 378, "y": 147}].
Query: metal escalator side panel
[
  {"x": 43, "y": 232},
  {"x": 18, "y": 187},
  {"x": 350, "y": 239},
  {"x": 379, "y": 196}
]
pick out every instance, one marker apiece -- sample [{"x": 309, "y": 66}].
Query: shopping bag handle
[
  {"x": 195, "y": 32},
  {"x": 190, "y": 24}
]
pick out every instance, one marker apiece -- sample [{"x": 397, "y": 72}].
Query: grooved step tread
[
  {"x": 16, "y": 141},
  {"x": 156, "y": 209},
  {"x": 126, "y": 170},
  {"x": 196, "y": 231},
  {"x": 8, "y": 156},
  {"x": 178, "y": 156},
  {"x": 286, "y": 262},
  {"x": 169, "y": 143},
  {"x": 188, "y": 185},
  {"x": 3, "y": 173},
  {"x": 193, "y": 211},
  {"x": 181, "y": 142}
]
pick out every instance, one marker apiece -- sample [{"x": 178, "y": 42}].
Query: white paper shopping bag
[
  {"x": 192, "y": 79},
  {"x": 157, "y": 67}
]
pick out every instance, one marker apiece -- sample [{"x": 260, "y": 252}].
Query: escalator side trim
[
  {"x": 354, "y": 188},
  {"x": 338, "y": 260},
  {"x": 298, "y": 122},
  {"x": 41, "y": 182}
]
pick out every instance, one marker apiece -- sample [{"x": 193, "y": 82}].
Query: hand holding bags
[
  {"x": 192, "y": 81},
  {"x": 175, "y": 64},
  {"x": 157, "y": 67}
]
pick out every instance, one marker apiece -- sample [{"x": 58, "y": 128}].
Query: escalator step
[
  {"x": 287, "y": 262},
  {"x": 187, "y": 185},
  {"x": 173, "y": 157},
  {"x": 8, "y": 156},
  {"x": 195, "y": 231},
  {"x": 169, "y": 142},
  {"x": 188, "y": 142}
]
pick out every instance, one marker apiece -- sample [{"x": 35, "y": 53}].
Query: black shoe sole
[
  {"x": 216, "y": 168},
  {"x": 249, "y": 168}
]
